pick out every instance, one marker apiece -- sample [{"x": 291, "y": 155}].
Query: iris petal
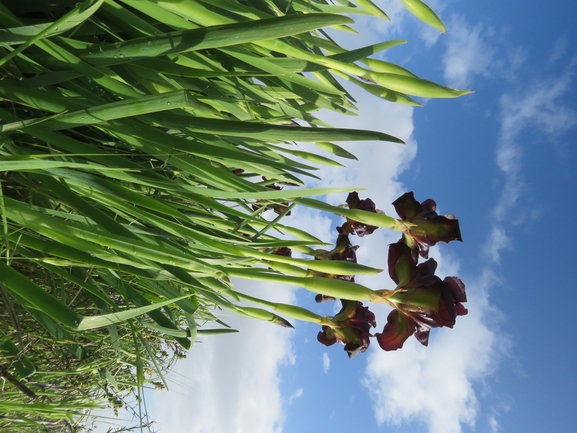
[{"x": 398, "y": 328}]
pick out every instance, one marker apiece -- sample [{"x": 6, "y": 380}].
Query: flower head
[
  {"x": 352, "y": 328},
  {"x": 355, "y": 227},
  {"x": 424, "y": 226},
  {"x": 422, "y": 300},
  {"x": 343, "y": 251},
  {"x": 283, "y": 251},
  {"x": 278, "y": 208}
]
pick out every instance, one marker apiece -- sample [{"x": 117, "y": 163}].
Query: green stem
[{"x": 292, "y": 311}]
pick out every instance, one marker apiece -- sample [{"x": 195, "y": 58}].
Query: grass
[{"x": 140, "y": 144}]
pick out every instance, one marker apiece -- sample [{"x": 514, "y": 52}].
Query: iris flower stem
[
  {"x": 326, "y": 286},
  {"x": 291, "y": 311}
]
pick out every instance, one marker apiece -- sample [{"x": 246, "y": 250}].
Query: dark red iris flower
[
  {"x": 283, "y": 251},
  {"x": 321, "y": 299},
  {"x": 355, "y": 227},
  {"x": 425, "y": 227},
  {"x": 424, "y": 301},
  {"x": 277, "y": 208},
  {"x": 354, "y": 323},
  {"x": 344, "y": 251}
]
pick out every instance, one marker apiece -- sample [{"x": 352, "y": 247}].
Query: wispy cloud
[
  {"x": 468, "y": 52},
  {"x": 494, "y": 415},
  {"x": 538, "y": 108},
  {"x": 478, "y": 49},
  {"x": 295, "y": 395},
  {"x": 496, "y": 242},
  {"x": 559, "y": 50},
  {"x": 326, "y": 362}
]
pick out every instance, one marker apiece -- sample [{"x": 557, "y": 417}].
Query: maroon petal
[
  {"x": 457, "y": 288},
  {"x": 429, "y": 206},
  {"x": 427, "y": 268},
  {"x": 431, "y": 305},
  {"x": 407, "y": 207},
  {"x": 319, "y": 299},
  {"x": 354, "y": 202},
  {"x": 360, "y": 229},
  {"x": 356, "y": 227},
  {"x": 422, "y": 334},
  {"x": 345, "y": 229},
  {"x": 426, "y": 227},
  {"x": 362, "y": 318},
  {"x": 425, "y": 275},
  {"x": 402, "y": 267},
  {"x": 353, "y": 348},
  {"x": 432, "y": 230},
  {"x": 458, "y": 291},
  {"x": 398, "y": 328},
  {"x": 344, "y": 250},
  {"x": 283, "y": 251},
  {"x": 460, "y": 310},
  {"x": 446, "y": 315},
  {"x": 327, "y": 336}
]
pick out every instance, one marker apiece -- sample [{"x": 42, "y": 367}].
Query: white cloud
[
  {"x": 468, "y": 53},
  {"x": 558, "y": 50},
  {"x": 436, "y": 385},
  {"x": 538, "y": 108},
  {"x": 231, "y": 381},
  {"x": 379, "y": 163},
  {"x": 326, "y": 362},
  {"x": 494, "y": 424},
  {"x": 385, "y": 28},
  {"x": 497, "y": 241},
  {"x": 295, "y": 395}
]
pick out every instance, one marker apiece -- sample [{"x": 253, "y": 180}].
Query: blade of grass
[
  {"x": 94, "y": 322},
  {"x": 208, "y": 37},
  {"x": 18, "y": 284},
  {"x": 32, "y": 34}
]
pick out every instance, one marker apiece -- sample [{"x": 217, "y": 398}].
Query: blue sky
[{"x": 503, "y": 160}]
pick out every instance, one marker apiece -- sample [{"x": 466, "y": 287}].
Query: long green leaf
[
  {"x": 280, "y": 133},
  {"x": 94, "y": 322},
  {"x": 209, "y": 37},
  {"x": 18, "y": 284},
  {"x": 29, "y": 34},
  {"x": 115, "y": 110},
  {"x": 370, "y": 218}
]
